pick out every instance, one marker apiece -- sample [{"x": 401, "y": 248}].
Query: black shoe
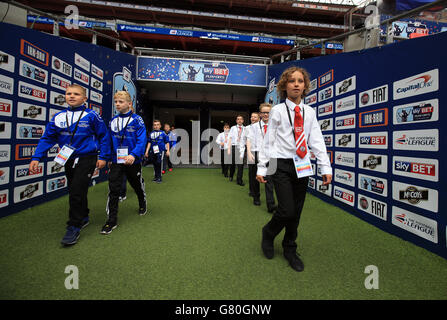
[
  {"x": 241, "y": 184},
  {"x": 230, "y": 178},
  {"x": 267, "y": 245},
  {"x": 142, "y": 210},
  {"x": 294, "y": 261},
  {"x": 256, "y": 202},
  {"x": 251, "y": 194},
  {"x": 108, "y": 228},
  {"x": 71, "y": 236},
  {"x": 85, "y": 222},
  {"x": 272, "y": 209}
]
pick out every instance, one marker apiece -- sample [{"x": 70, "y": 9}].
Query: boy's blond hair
[
  {"x": 123, "y": 94},
  {"x": 75, "y": 85},
  {"x": 264, "y": 105},
  {"x": 282, "y": 83}
]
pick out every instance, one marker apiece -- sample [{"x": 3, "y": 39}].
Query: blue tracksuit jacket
[
  {"x": 133, "y": 136},
  {"x": 90, "y": 138}
]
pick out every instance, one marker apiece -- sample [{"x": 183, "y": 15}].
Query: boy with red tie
[
  {"x": 293, "y": 127},
  {"x": 222, "y": 141},
  {"x": 235, "y": 147},
  {"x": 255, "y": 139}
]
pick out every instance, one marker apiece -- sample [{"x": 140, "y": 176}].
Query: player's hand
[
  {"x": 129, "y": 160},
  {"x": 261, "y": 179},
  {"x": 33, "y": 166},
  {"x": 168, "y": 153},
  {"x": 327, "y": 178},
  {"x": 100, "y": 164},
  {"x": 229, "y": 151},
  {"x": 250, "y": 157}
]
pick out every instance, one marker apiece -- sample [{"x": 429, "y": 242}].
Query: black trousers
[
  {"x": 255, "y": 186},
  {"x": 225, "y": 160},
  {"x": 136, "y": 181},
  {"x": 157, "y": 160},
  {"x": 222, "y": 160},
  {"x": 235, "y": 155},
  {"x": 167, "y": 163},
  {"x": 79, "y": 173},
  {"x": 123, "y": 191},
  {"x": 290, "y": 193},
  {"x": 252, "y": 182}
]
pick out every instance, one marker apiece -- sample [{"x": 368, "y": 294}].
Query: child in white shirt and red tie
[
  {"x": 293, "y": 127},
  {"x": 222, "y": 141},
  {"x": 255, "y": 139},
  {"x": 235, "y": 149}
]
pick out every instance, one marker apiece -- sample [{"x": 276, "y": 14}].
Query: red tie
[
  {"x": 300, "y": 138},
  {"x": 265, "y": 128}
]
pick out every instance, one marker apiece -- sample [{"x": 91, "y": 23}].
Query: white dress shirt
[
  {"x": 223, "y": 137},
  {"x": 256, "y": 135},
  {"x": 236, "y": 139},
  {"x": 279, "y": 142}
]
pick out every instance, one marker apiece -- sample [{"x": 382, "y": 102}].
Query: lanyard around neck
[
  {"x": 123, "y": 129},
  {"x": 77, "y": 123},
  {"x": 262, "y": 130}
]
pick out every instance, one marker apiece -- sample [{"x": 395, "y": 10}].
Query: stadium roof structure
[{"x": 288, "y": 19}]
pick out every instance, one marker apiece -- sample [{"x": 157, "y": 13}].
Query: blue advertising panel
[
  {"x": 35, "y": 70},
  {"x": 414, "y": 27},
  {"x": 204, "y": 34},
  {"x": 381, "y": 118},
  {"x": 171, "y": 32},
  {"x": 405, "y": 5},
  {"x": 167, "y": 69}
]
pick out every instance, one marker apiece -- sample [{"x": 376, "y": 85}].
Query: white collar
[{"x": 291, "y": 105}]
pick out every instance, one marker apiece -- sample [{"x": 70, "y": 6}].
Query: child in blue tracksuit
[
  {"x": 172, "y": 137},
  {"x": 128, "y": 140},
  {"x": 158, "y": 145},
  {"x": 85, "y": 145}
]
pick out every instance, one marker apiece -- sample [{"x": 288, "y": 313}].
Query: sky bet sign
[{"x": 419, "y": 168}]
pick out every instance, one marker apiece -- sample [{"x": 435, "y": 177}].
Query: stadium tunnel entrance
[{"x": 212, "y": 105}]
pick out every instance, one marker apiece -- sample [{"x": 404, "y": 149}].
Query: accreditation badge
[
  {"x": 121, "y": 154},
  {"x": 303, "y": 166},
  {"x": 156, "y": 149},
  {"x": 64, "y": 154}
]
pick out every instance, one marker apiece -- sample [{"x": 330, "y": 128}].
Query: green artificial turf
[{"x": 201, "y": 240}]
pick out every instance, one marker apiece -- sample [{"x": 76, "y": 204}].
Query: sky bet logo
[
  {"x": 23, "y": 173},
  {"x": 423, "y": 169},
  {"x": 344, "y": 196},
  {"x": 376, "y": 140},
  {"x": 418, "y": 168},
  {"x": 380, "y": 140},
  {"x": 345, "y": 122},
  {"x": 32, "y": 92}
]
